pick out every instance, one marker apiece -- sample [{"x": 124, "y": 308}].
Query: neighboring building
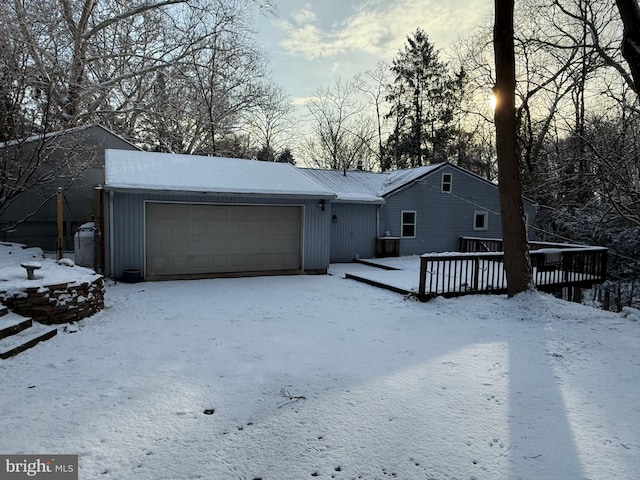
[
  {"x": 410, "y": 212},
  {"x": 77, "y": 152},
  {"x": 169, "y": 216}
]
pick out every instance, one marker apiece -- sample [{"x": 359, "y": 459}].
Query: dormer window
[{"x": 447, "y": 183}]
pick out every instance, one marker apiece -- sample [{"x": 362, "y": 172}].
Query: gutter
[
  {"x": 288, "y": 195},
  {"x": 111, "y": 237}
]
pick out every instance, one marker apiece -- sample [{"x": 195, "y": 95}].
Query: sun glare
[{"x": 493, "y": 101}]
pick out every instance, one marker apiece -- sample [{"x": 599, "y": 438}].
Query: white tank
[{"x": 83, "y": 245}]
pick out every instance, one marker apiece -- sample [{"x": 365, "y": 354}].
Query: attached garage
[
  {"x": 177, "y": 216},
  {"x": 192, "y": 239}
]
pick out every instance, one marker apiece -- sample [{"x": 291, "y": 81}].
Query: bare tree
[
  {"x": 197, "y": 104},
  {"x": 341, "y": 129},
  {"x": 34, "y": 167},
  {"x": 177, "y": 75},
  {"x": 516, "y": 256},
  {"x": 374, "y": 85},
  {"x": 270, "y": 121},
  {"x": 474, "y": 143},
  {"x": 100, "y": 61}
]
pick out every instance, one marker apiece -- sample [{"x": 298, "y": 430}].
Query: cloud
[
  {"x": 304, "y": 16},
  {"x": 380, "y": 28}
]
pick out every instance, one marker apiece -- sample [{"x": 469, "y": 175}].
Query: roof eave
[
  {"x": 378, "y": 201},
  {"x": 217, "y": 193}
]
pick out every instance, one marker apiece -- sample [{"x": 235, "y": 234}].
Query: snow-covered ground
[{"x": 318, "y": 376}]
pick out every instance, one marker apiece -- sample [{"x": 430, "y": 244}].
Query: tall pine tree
[{"x": 423, "y": 100}]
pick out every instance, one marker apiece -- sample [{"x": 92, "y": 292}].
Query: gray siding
[
  {"x": 125, "y": 239},
  {"x": 441, "y": 218},
  {"x": 83, "y": 145},
  {"x": 353, "y": 231}
]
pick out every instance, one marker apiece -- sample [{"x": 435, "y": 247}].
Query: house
[
  {"x": 76, "y": 157},
  {"x": 176, "y": 216},
  {"x": 410, "y": 212}
]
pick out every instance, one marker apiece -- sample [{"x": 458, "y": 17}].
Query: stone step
[
  {"x": 3, "y": 310},
  {"x": 25, "y": 339},
  {"x": 12, "y": 323}
]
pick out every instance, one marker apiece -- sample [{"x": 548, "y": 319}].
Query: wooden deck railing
[
  {"x": 451, "y": 274},
  {"x": 479, "y": 244}
]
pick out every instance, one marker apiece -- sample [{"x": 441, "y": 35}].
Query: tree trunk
[
  {"x": 630, "y": 15},
  {"x": 516, "y": 256}
]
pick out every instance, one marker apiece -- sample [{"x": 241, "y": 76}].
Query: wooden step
[
  {"x": 25, "y": 339},
  {"x": 12, "y": 323}
]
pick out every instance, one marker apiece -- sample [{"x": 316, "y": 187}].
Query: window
[
  {"x": 409, "y": 224},
  {"x": 447, "y": 180},
  {"x": 480, "y": 221}
]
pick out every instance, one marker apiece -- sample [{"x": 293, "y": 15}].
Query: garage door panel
[
  {"x": 199, "y": 239},
  {"x": 200, "y": 263}
]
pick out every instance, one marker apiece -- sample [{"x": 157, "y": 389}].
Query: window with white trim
[
  {"x": 480, "y": 220},
  {"x": 408, "y": 224},
  {"x": 447, "y": 183}
]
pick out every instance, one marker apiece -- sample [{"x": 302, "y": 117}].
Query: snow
[
  {"x": 477, "y": 387},
  {"x": 366, "y": 187},
  {"x": 130, "y": 169},
  {"x": 356, "y": 186},
  {"x": 14, "y": 277},
  {"x": 399, "y": 178},
  {"x": 12, "y": 254}
]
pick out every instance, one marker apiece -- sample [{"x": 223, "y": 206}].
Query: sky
[{"x": 311, "y": 44}]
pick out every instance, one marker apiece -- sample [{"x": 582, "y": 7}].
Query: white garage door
[{"x": 186, "y": 239}]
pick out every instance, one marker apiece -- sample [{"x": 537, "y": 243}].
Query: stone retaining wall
[{"x": 62, "y": 303}]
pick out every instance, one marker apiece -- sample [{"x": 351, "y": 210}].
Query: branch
[
  {"x": 130, "y": 13},
  {"x": 290, "y": 398}
]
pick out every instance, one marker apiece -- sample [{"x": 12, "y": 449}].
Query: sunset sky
[{"x": 310, "y": 44}]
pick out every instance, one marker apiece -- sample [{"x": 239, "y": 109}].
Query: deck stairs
[{"x": 18, "y": 333}]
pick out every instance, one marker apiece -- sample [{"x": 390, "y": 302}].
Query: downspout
[{"x": 111, "y": 236}]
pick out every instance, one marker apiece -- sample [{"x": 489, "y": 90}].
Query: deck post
[
  {"x": 476, "y": 274},
  {"x": 423, "y": 279}
]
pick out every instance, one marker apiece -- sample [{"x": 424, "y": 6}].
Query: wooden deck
[{"x": 479, "y": 268}]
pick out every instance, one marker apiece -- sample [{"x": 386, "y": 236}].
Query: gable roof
[
  {"x": 401, "y": 178},
  {"x": 367, "y": 187},
  {"x": 137, "y": 170},
  {"x": 69, "y": 131}
]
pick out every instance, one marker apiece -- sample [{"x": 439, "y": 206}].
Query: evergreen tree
[
  {"x": 266, "y": 154},
  {"x": 286, "y": 157},
  {"x": 422, "y": 103}
]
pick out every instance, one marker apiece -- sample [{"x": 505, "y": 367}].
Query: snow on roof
[
  {"x": 355, "y": 186},
  {"x": 371, "y": 187},
  {"x": 129, "y": 169},
  {"x": 399, "y": 178}
]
